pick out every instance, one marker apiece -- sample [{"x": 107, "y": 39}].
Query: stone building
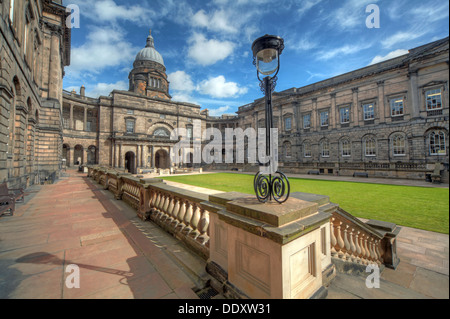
[
  {"x": 389, "y": 119},
  {"x": 128, "y": 129},
  {"x": 34, "y": 48}
]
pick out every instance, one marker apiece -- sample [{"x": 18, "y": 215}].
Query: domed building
[{"x": 148, "y": 76}]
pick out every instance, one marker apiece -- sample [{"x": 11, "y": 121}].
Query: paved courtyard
[{"x": 75, "y": 221}]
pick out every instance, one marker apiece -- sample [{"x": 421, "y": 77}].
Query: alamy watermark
[
  {"x": 73, "y": 279},
  {"x": 373, "y": 20},
  {"x": 222, "y": 149},
  {"x": 373, "y": 279}
]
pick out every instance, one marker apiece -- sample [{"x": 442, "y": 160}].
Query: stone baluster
[
  {"x": 352, "y": 246},
  {"x": 333, "y": 239},
  {"x": 381, "y": 250},
  {"x": 204, "y": 227},
  {"x": 176, "y": 212},
  {"x": 358, "y": 248},
  {"x": 170, "y": 211},
  {"x": 366, "y": 249},
  {"x": 166, "y": 208},
  {"x": 363, "y": 250},
  {"x": 347, "y": 244},
  {"x": 340, "y": 241},
  {"x": 372, "y": 250},
  {"x": 181, "y": 214},
  {"x": 160, "y": 205},
  {"x": 195, "y": 221},
  {"x": 187, "y": 217}
]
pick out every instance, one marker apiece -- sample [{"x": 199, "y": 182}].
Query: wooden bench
[
  {"x": 313, "y": 172},
  {"x": 360, "y": 174},
  {"x": 17, "y": 193},
  {"x": 7, "y": 202}
]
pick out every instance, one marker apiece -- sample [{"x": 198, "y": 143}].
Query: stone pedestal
[{"x": 267, "y": 251}]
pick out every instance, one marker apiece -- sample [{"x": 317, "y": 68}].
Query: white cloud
[
  {"x": 207, "y": 52},
  {"x": 219, "y": 21},
  {"x": 400, "y": 37},
  {"x": 219, "y": 111},
  {"x": 351, "y": 14},
  {"x": 344, "y": 50},
  {"x": 181, "y": 81},
  {"x": 183, "y": 97},
  {"x": 306, "y": 6},
  {"x": 304, "y": 44},
  {"x": 390, "y": 55},
  {"x": 104, "y": 48},
  {"x": 218, "y": 87}
]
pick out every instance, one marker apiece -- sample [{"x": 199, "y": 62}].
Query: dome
[{"x": 149, "y": 53}]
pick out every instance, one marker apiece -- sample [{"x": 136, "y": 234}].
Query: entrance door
[
  {"x": 162, "y": 159},
  {"x": 130, "y": 162}
]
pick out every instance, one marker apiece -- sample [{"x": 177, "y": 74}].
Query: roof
[{"x": 149, "y": 53}]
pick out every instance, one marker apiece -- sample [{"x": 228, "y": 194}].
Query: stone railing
[
  {"x": 178, "y": 211},
  {"x": 362, "y": 243}
]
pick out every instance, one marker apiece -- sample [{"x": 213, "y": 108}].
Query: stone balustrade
[
  {"x": 242, "y": 228},
  {"x": 178, "y": 211}
]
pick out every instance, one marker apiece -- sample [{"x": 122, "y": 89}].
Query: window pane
[
  {"x": 437, "y": 143},
  {"x": 369, "y": 113},
  {"x": 307, "y": 121},
  {"x": 307, "y": 150},
  {"x": 325, "y": 148},
  {"x": 130, "y": 126},
  {"x": 288, "y": 122},
  {"x": 345, "y": 115},
  {"x": 434, "y": 99},
  {"x": 398, "y": 145},
  {"x": 397, "y": 107},
  {"x": 324, "y": 118},
  {"x": 370, "y": 147},
  {"x": 346, "y": 149}
]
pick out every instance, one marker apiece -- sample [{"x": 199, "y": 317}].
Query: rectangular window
[
  {"x": 162, "y": 116},
  {"x": 189, "y": 132},
  {"x": 307, "y": 121},
  {"x": 369, "y": 112},
  {"x": 131, "y": 112},
  {"x": 325, "y": 148},
  {"x": 324, "y": 118},
  {"x": 396, "y": 107},
  {"x": 288, "y": 123},
  {"x": 345, "y": 115},
  {"x": 130, "y": 126},
  {"x": 307, "y": 150},
  {"x": 88, "y": 126},
  {"x": 370, "y": 147},
  {"x": 434, "y": 99},
  {"x": 398, "y": 145},
  {"x": 346, "y": 148}
]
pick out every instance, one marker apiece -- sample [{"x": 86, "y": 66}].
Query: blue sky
[{"x": 206, "y": 45}]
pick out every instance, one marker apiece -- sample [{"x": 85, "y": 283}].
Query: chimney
[{"x": 82, "y": 90}]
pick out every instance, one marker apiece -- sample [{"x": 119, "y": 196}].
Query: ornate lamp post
[{"x": 266, "y": 57}]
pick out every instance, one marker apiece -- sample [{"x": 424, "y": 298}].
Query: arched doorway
[
  {"x": 130, "y": 162},
  {"x": 66, "y": 154},
  {"x": 162, "y": 159},
  {"x": 92, "y": 155},
  {"x": 78, "y": 155}
]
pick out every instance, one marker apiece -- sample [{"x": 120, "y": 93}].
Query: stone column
[
  {"x": 85, "y": 119},
  {"x": 333, "y": 111},
  {"x": 120, "y": 156},
  {"x": 355, "y": 107},
  {"x": 138, "y": 157},
  {"x": 381, "y": 105},
  {"x": 315, "y": 121},
  {"x": 413, "y": 95},
  {"x": 71, "y": 117}
]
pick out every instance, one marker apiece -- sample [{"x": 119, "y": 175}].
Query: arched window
[
  {"x": 161, "y": 132},
  {"x": 436, "y": 141},
  {"x": 346, "y": 148},
  {"x": 287, "y": 148},
  {"x": 307, "y": 149},
  {"x": 398, "y": 145},
  {"x": 325, "y": 147},
  {"x": 370, "y": 146}
]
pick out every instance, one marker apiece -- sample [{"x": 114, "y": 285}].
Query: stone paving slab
[{"x": 75, "y": 222}]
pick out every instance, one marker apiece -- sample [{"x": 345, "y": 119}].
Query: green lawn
[{"x": 417, "y": 207}]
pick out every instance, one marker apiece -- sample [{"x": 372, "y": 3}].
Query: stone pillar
[
  {"x": 267, "y": 251},
  {"x": 355, "y": 107},
  {"x": 413, "y": 97},
  {"x": 315, "y": 121},
  {"x": 381, "y": 105},
  {"x": 71, "y": 117},
  {"x": 85, "y": 119},
  {"x": 333, "y": 111},
  {"x": 120, "y": 156}
]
